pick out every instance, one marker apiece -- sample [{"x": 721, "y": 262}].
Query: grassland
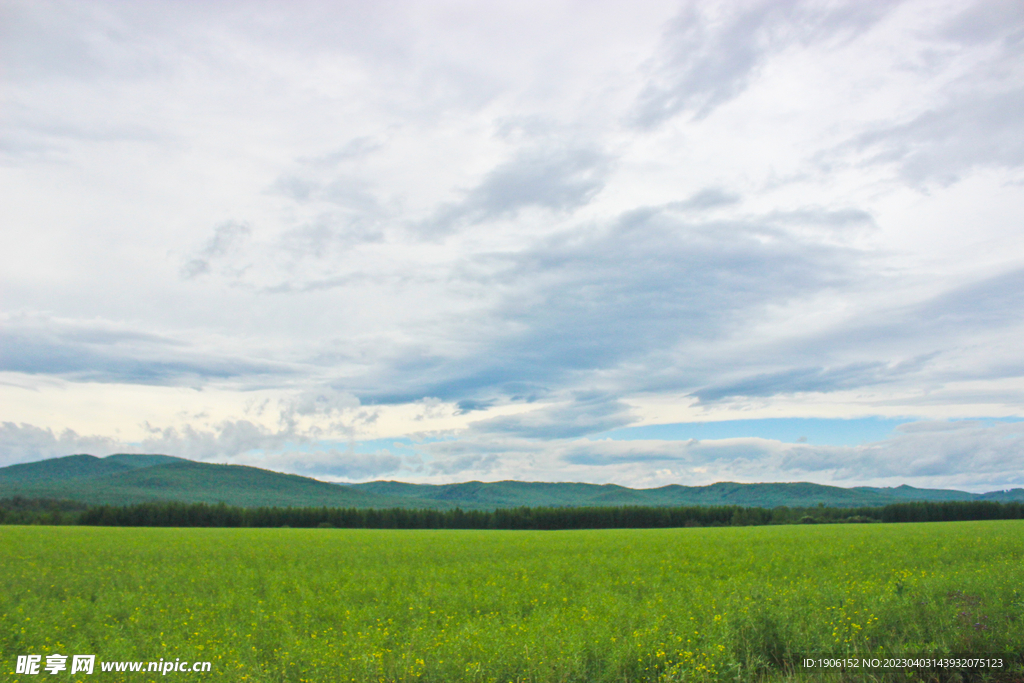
[{"x": 331, "y": 605}]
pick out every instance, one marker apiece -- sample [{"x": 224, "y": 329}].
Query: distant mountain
[
  {"x": 70, "y": 467},
  {"x": 1007, "y": 496},
  {"x": 909, "y": 493},
  {"x": 481, "y": 495},
  {"x": 135, "y": 478},
  {"x": 129, "y": 478}
]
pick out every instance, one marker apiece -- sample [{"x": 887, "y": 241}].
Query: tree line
[
  {"x": 21, "y": 510},
  {"x": 172, "y": 514}
]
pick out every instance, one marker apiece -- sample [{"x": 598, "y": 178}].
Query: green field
[{"x": 337, "y": 605}]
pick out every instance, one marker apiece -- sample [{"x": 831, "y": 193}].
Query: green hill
[
  {"x": 129, "y": 478},
  {"x": 70, "y": 467},
  {"x": 481, "y": 495},
  {"x": 1008, "y": 496},
  {"x": 137, "y": 460},
  {"x": 909, "y": 493},
  {"x": 477, "y": 494}
]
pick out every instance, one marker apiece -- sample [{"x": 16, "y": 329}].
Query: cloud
[
  {"x": 817, "y": 379},
  {"x": 227, "y": 439},
  {"x": 987, "y": 21},
  {"x": 332, "y": 463},
  {"x": 708, "y": 198},
  {"x": 586, "y": 413},
  {"x": 970, "y": 119},
  {"x": 356, "y": 149},
  {"x": 46, "y": 41},
  {"x": 24, "y": 140},
  {"x": 595, "y": 298},
  {"x": 711, "y": 53},
  {"x": 554, "y": 179},
  {"x": 966, "y": 314},
  {"x": 227, "y": 238},
  {"x": 995, "y": 301},
  {"x": 100, "y": 351},
  {"x": 820, "y": 217},
  {"x": 921, "y": 347},
  {"x": 974, "y": 130},
  {"x": 322, "y": 401},
  {"x": 55, "y": 47},
  {"x": 28, "y": 443},
  {"x": 470, "y": 405},
  {"x": 324, "y": 209},
  {"x": 974, "y": 455},
  {"x": 336, "y": 179},
  {"x": 331, "y": 232},
  {"x": 461, "y": 461}
]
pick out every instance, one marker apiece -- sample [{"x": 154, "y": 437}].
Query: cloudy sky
[{"x": 643, "y": 243}]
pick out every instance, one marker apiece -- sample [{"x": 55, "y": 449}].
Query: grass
[{"x": 731, "y": 604}]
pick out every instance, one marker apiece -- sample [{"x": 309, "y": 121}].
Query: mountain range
[{"x": 125, "y": 479}]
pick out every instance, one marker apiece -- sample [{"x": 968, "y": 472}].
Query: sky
[{"x": 640, "y": 243}]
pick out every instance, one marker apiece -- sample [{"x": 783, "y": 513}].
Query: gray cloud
[
  {"x": 455, "y": 466},
  {"x": 331, "y": 233},
  {"x": 357, "y": 148},
  {"x": 28, "y": 443},
  {"x": 976, "y": 129},
  {"x": 243, "y": 441},
  {"x": 820, "y": 217},
  {"x": 586, "y": 413},
  {"x": 227, "y": 238},
  {"x": 347, "y": 211},
  {"x": 985, "y": 455},
  {"x": 595, "y": 298},
  {"x": 24, "y": 139},
  {"x": 707, "y": 60},
  {"x": 927, "y": 344},
  {"x": 708, "y": 198},
  {"x": 938, "y": 324},
  {"x": 916, "y": 341},
  {"x": 337, "y": 178},
  {"x": 331, "y": 463},
  {"x": 816, "y": 379},
  {"x": 996, "y": 301},
  {"x": 99, "y": 352},
  {"x": 987, "y": 21},
  {"x": 321, "y": 401},
  {"x": 227, "y": 439},
  {"x": 974, "y": 122},
  {"x": 60, "y": 41},
  {"x": 56, "y": 46},
  {"x": 470, "y": 405},
  {"x": 553, "y": 179}
]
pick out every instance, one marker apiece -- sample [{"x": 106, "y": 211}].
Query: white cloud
[
  {"x": 969, "y": 455},
  {"x": 28, "y": 443}
]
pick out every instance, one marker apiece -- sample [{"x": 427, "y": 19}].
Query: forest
[{"x": 19, "y": 510}]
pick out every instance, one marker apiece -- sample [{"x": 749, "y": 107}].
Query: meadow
[{"x": 333, "y": 605}]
